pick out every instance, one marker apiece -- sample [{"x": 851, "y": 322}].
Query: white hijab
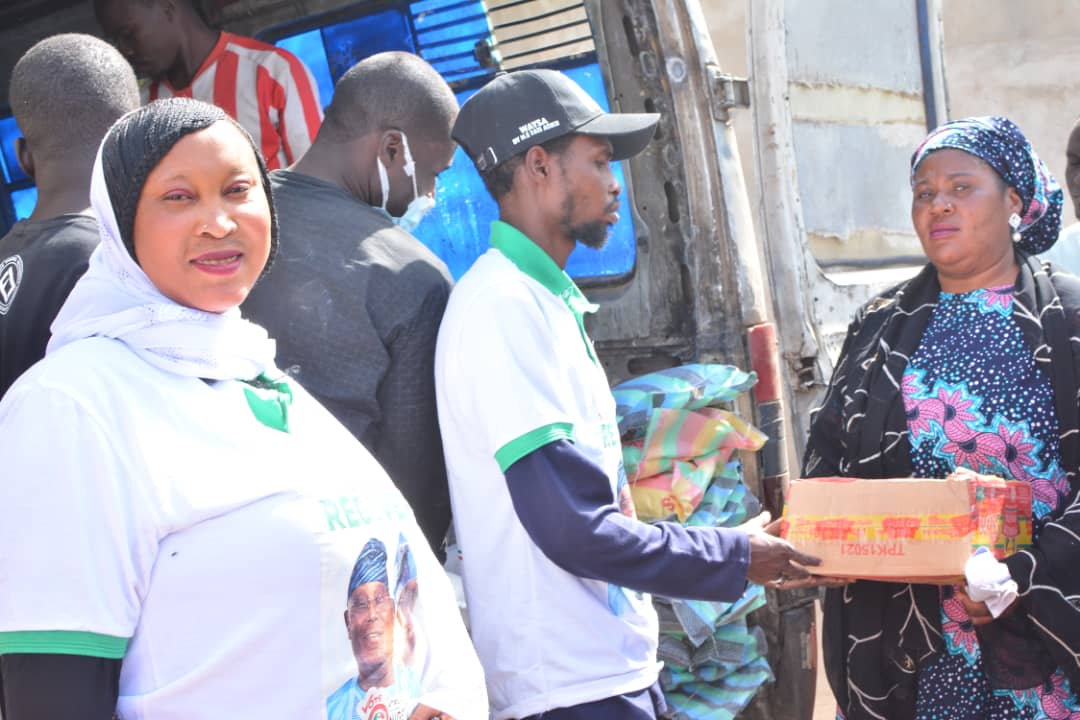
[{"x": 116, "y": 299}]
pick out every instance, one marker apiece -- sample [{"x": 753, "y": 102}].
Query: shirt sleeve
[
  {"x": 75, "y": 543},
  {"x": 520, "y": 392},
  {"x": 407, "y": 440},
  {"x": 565, "y": 503},
  {"x": 302, "y": 113},
  {"x": 28, "y": 687}
]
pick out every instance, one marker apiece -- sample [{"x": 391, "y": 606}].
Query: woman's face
[
  {"x": 202, "y": 224},
  {"x": 960, "y": 208}
]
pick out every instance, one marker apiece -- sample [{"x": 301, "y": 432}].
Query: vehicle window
[
  {"x": 468, "y": 43},
  {"x": 17, "y": 192}
]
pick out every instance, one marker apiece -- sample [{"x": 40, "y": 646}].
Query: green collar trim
[
  {"x": 269, "y": 401},
  {"x": 537, "y": 264}
]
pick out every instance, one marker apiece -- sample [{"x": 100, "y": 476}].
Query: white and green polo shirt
[{"x": 514, "y": 371}]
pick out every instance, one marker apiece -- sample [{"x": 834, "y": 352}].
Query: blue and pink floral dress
[{"x": 974, "y": 398}]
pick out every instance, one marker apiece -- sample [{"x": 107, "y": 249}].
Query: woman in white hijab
[{"x": 182, "y": 529}]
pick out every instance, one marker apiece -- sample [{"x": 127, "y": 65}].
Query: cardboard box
[{"x": 912, "y": 529}]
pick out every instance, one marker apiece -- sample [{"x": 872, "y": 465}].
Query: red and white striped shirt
[{"x": 269, "y": 91}]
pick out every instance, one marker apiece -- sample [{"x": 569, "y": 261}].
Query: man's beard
[{"x": 592, "y": 234}]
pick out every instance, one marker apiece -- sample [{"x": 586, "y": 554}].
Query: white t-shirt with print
[
  {"x": 149, "y": 516},
  {"x": 512, "y": 372}
]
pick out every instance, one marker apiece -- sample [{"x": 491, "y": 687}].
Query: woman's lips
[
  {"x": 219, "y": 262},
  {"x": 939, "y": 231}
]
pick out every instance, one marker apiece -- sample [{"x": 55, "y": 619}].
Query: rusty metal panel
[
  {"x": 692, "y": 294},
  {"x": 855, "y": 196},
  {"x": 854, "y": 42}
]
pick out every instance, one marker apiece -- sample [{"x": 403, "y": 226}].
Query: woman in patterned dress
[{"x": 971, "y": 364}]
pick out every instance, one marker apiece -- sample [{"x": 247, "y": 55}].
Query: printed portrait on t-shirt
[{"x": 378, "y": 626}]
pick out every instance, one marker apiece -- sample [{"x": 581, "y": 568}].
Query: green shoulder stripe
[
  {"x": 63, "y": 642},
  {"x": 518, "y": 448}
]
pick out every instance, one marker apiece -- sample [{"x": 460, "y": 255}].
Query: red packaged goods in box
[{"x": 906, "y": 528}]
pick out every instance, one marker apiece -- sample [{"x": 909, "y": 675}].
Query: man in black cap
[{"x": 529, "y": 430}]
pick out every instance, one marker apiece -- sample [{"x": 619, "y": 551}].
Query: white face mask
[{"x": 420, "y": 204}]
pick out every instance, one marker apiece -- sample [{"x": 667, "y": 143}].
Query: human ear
[
  {"x": 537, "y": 162},
  {"x": 24, "y": 157},
  {"x": 390, "y": 147},
  {"x": 1013, "y": 200}
]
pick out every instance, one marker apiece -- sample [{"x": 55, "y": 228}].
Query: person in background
[
  {"x": 1065, "y": 253},
  {"x": 65, "y": 92},
  {"x": 178, "y": 520},
  {"x": 268, "y": 90},
  {"x": 555, "y": 573},
  {"x": 971, "y": 364},
  {"x": 354, "y": 300}
]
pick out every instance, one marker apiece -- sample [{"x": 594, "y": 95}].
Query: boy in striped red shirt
[{"x": 267, "y": 89}]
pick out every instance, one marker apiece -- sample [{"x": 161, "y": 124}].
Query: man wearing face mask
[{"x": 353, "y": 300}]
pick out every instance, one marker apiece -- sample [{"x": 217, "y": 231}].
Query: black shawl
[{"x": 877, "y": 635}]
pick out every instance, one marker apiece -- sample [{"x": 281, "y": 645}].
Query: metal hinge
[{"x": 727, "y": 92}]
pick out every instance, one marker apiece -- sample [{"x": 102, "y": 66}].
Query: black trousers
[{"x": 644, "y": 704}]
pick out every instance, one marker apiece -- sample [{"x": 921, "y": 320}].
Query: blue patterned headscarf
[
  {"x": 1000, "y": 143},
  {"x": 370, "y": 566}
]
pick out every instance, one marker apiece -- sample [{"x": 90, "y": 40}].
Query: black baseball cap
[{"x": 518, "y": 110}]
